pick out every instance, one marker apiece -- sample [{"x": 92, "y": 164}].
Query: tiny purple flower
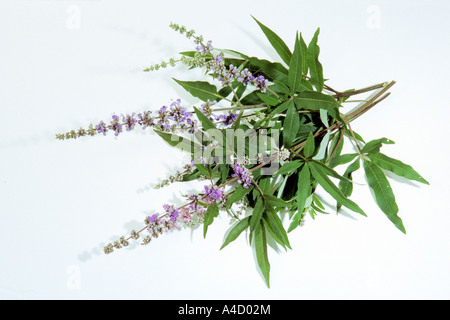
[
  {"x": 101, "y": 128},
  {"x": 244, "y": 176},
  {"x": 213, "y": 194},
  {"x": 115, "y": 125},
  {"x": 152, "y": 219},
  {"x": 129, "y": 121}
]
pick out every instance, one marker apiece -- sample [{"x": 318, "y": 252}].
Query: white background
[{"x": 65, "y": 64}]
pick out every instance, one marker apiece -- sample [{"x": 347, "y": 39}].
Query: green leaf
[
  {"x": 315, "y": 67},
  {"x": 295, "y": 221},
  {"x": 346, "y": 186},
  {"x": 224, "y": 170},
  {"x": 295, "y": 67},
  {"x": 237, "y": 195},
  {"x": 383, "y": 193},
  {"x": 320, "y": 175},
  {"x": 200, "y": 89},
  {"x": 342, "y": 159},
  {"x": 274, "y": 225},
  {"x": 210, "y": 214},
  {"x": 273, "y": 71},
  {"x": 308, "y": 149},
  {"x": 252, "y": 98},
  {"x": 289, "y": 167},
  {"x": 192, "y": 176},
  {"x": 237, "y": 229},
  {"x": 324, "y": 117},
  {"x": 396, "y": 166},
  {"x": 232, "y": 53},
  {"x": 280, "y": 87},
  {"x": 311, "y": 100},
  {"x": 274, "y": 201},
  {"x": 304, "y": 50},
  {"x": 281, "y": 108},
  {"x": 277, "y": 43},
  {"x": 337, "y": 144},
  {"x": 269, "y": 100},
  {"x": 304, "y": 187},
  {"x": 202, "y": 169},
  {"x": 329, "y": 171},
  {"x": 323, "y": 147},
  {"x": 237, "y": 122},
  {"x": 262, "y": 258},
  {"x": 258, "y": 211},
  {"x": 224, "y": 92},
  {"x": 291, "y": 125},
  {"x": 178, "y": 142},
  {"x": 375, "y": 145},
  {"x": 206, "y": 123}
]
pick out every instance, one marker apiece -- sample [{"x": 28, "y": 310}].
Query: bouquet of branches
[{"x": 262, "y": 138}]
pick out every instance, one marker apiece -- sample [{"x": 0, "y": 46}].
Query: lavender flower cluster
[
  {"x": 173, "y": 218},
  {"x": 228, "y": 75},
  {"x": 243, "y": 174},
  {"x": 168, "y": 119},
  {"x": 213, "y": 194}
]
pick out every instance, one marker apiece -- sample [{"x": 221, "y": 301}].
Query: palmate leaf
[
  {"x": 383, "y": 193},
  {"x": 277, "y": 43},
  {"x": 396, "y": 166}
]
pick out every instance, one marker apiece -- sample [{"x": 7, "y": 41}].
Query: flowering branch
[{"x": 282, "y": 133}]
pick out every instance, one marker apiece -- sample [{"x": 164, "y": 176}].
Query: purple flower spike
[{"x": 244, "y": 176}]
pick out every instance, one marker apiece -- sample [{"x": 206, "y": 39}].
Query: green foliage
[
  {"x": 383, "y": 193},
  {"x": 277, "y": 43},
  {"x": 200, "y": 89},
  {"x": 307, "y": 113},
  {"x": 315, "y": 67}
]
